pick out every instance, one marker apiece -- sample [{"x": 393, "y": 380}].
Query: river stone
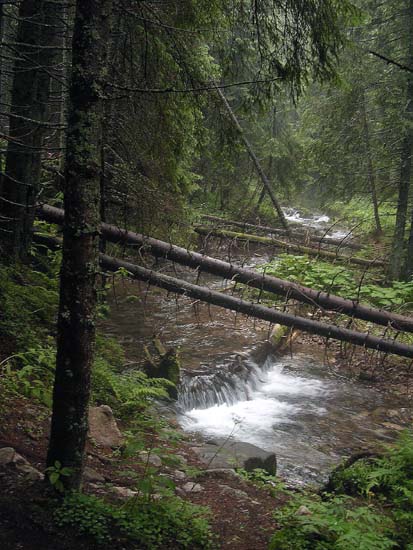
[
  {"x": 221, "y": 453},
  {"x": 103, "y": 428}
]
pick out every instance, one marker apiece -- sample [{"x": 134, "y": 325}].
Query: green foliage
[
  {"x": 128, "y": 392},
  {"x": 28, "y": 305},
  {"x": 378, "y": 515},
  {"x": 31, "y": 374},
  {"x": 339, "y": 280},
  {"x": 168, "y": 523},
  {"x": 261, "y": 478},
  {"x": 337, "y": 524},
  {"x": 55, "y": 474}
]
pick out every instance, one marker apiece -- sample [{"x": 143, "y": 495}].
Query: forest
[{"x": 206, "y": 274}]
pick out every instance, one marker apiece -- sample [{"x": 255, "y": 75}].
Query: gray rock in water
[
  {"x": 221, "y": 453},
  {"x": 103, "y": 428}
]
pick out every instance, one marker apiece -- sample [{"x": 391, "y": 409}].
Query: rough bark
[
  {"x": 396, "y": 258},
  {"x": 255, "y": 160},
  {"x": 161, "y": 249},
  {"x": 35, "y": 56},
  {"x": 76, "y": 319},
  {"x": 289, "y": 246},
  {"x": 295, "y": 234}
]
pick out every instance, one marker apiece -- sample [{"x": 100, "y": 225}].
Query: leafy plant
[
  {"x": 166, "y": 523},
  {"x": 55, "y": 474}
]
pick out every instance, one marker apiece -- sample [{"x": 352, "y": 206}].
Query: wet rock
[
  {"x": 150, "y": 458},
  {"x": 192, "y": 487},
  {"x": 221, "y": 453},
  {"x": 103, "y": 428},
  {"x": 91, "y": 475}
]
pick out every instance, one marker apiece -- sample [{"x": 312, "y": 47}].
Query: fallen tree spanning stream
[
  {"x": 245, "y": 276},
  {"x": 190, "y": 290}
]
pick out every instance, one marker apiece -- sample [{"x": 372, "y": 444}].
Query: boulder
[
  {"x": 150, "y": 458},
  {"x": 192, "y": 487},
  {"x": 227, "y": 454},
  {"x": 103, "y": 428},
  {"x": 9, "y": 457}
]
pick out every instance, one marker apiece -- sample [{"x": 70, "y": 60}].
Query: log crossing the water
[
  {"x": 286, "y": 245},
  {"x": 190, "y": 290},
  {"x": 246, "y": 276},
  {"x": 296, "y": 233}
]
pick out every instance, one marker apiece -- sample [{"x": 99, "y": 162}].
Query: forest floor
[{"x": 241, "y": 513}]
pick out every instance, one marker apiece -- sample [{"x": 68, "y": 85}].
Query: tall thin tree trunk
[
  {"x": 256, "y": 162},
  {"x": 396, "y": 259},
  {"x": 370, "y": 168},
  {"x": 76, "y": 321},
  {"x": 36, "y": 36}
]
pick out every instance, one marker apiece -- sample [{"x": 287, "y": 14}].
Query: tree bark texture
[
  {"x": 255, "y": 160},
  {"x": 287, "y": 245},
  {"x": 76, "y": 319},
  {"x": 287, "y": 289},
  {"x": 35, "y": 57}
]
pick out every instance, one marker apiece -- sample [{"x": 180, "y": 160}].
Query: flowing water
[{"x": 233, "y": 384}]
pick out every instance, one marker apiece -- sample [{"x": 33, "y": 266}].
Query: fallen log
[
  {"x": 289, "y": 246},
  {"x": 245, "y": 276},
  {"x": 295, "y": 234},
  {"x": 190, "y": 290}
]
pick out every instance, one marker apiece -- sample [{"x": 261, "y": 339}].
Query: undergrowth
[
  {"x": 340, "y": 280},
  {"x": 165, "y": 524},
  {"x": 369, "y": 507}
]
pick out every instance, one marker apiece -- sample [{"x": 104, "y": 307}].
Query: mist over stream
[{"x": 233, "y": 384}]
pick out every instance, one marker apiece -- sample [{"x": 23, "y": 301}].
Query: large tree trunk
[
  {"x": 255, "y": 160},
  {"x": 396, "y": 258},
  {"x": 294, "y": 291},
  {"x": 76, "y": 320},
  {"x": 36, "y": 36}
]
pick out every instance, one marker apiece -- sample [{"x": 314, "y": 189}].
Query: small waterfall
[{"x": 224, "y": 384}]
